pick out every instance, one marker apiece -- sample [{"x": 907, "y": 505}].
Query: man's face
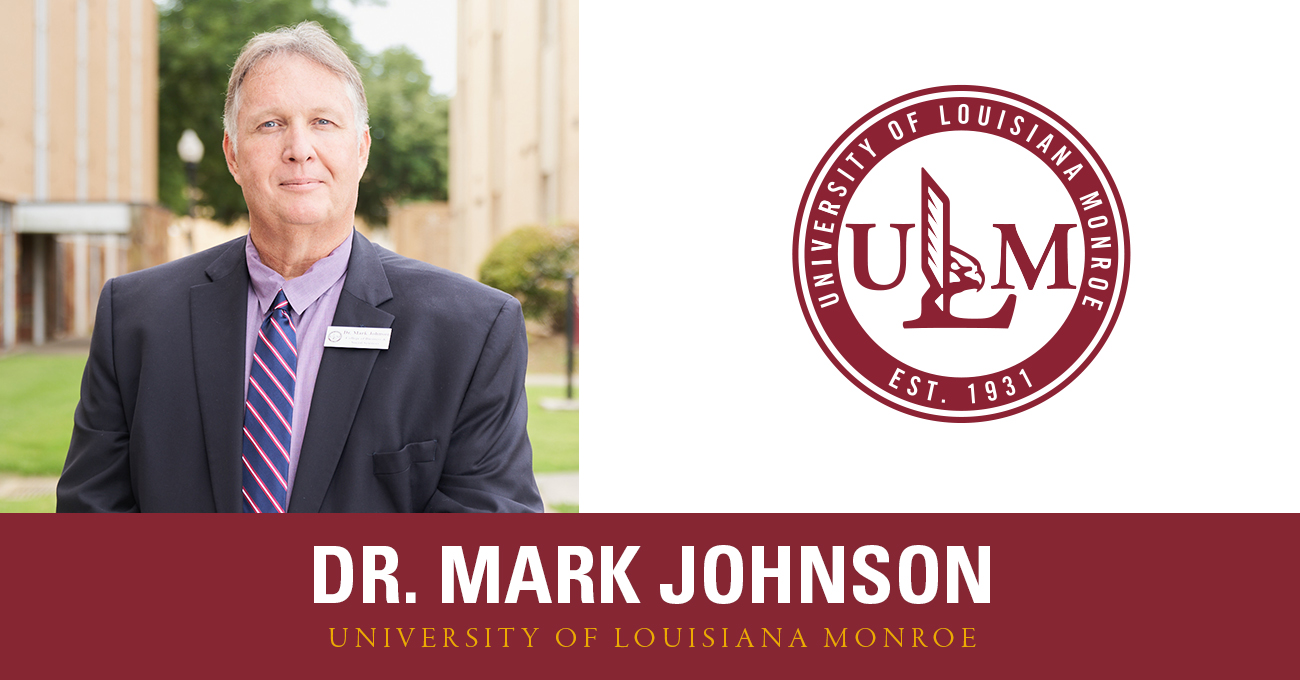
[{"x": 298, "y": 160}]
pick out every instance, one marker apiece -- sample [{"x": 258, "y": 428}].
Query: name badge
[{"x": 352, "y": 337}]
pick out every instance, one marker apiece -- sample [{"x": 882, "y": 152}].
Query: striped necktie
[{"x": 268, "y": 412}]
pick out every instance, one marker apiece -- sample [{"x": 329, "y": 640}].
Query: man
[{"x": 260, "y": 376}]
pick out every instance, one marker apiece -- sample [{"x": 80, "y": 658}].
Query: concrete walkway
[
  {"x": 72, "y": 346},
  {"x": 15, "y": 488},
  {"x": 549, "y": 379},
  {"x": 558, "y": 488}
]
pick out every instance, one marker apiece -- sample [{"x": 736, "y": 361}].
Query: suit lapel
[
  {"x": 341, "y": 379},
  {"x": 218, "y": 323}
]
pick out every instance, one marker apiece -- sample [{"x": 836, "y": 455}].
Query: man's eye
[
  {"x": 325, "y": 121},
  {"x": 268, "y": 124}
]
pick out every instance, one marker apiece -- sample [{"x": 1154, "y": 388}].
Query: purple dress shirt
[{"x": 313, "y": 297}]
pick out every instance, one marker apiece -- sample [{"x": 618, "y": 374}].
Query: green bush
[{"x": 530, "y": 263}]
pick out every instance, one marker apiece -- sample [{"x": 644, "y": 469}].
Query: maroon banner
[{"x": 1068, "y": 596}]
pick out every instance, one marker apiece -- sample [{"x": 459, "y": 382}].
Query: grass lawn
[
  {"x": 38, "y": 393},
  {"x": 554, "y": 434}
]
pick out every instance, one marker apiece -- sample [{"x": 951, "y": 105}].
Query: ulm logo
[
  {"x": 960, "y": 342},
  {"x": 950, "y": 270}
]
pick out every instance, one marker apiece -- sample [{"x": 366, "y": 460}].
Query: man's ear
[
  {"x": 231, "y": 163},
  {"x": 364, "y": 150}
]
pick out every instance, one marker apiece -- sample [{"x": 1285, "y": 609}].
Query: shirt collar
[{"x": 302, "y": 291}]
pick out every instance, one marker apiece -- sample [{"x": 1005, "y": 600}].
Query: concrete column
[
  {"x": 38, "y": 289},
  {"x": 95, "y": 281},
  {"x": 9, "y": 276},
  {"x": 548, "y": 119},
  {"x": 80, "y": 299},
  {"x": 137, "y": 41},
  {"x": 112, "y": 248},
  {"x": 83, "y": 100},
  {"x": 41, "y": 104},
  {"x": 114, "y": 106}
]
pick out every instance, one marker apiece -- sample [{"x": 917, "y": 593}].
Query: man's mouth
[{"x": 301, "y": 184}]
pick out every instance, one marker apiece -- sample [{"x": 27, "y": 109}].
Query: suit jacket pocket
[
  {"x": 407, "y": 473},
  {"x": 393, "y": 462}
]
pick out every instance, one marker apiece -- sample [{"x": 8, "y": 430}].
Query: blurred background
[{"x": 473, "y": 167}]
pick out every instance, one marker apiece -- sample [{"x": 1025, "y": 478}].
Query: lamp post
[
  {"x": 190, "y": 149},
  {"x": 568, "y": 403}
]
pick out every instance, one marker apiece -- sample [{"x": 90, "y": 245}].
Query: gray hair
[{"x": 309, "y": 40}]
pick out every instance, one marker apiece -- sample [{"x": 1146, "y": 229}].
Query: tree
[
  {"x": 408, "y": 133},
  {"x": 197, "y": 45},
  {"x": 531, "y": 263}
]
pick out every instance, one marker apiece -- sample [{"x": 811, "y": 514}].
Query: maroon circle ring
[{"x": 960, "y": 398}]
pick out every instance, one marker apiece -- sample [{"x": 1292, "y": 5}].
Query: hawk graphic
[{"x": 948, "y": 269}]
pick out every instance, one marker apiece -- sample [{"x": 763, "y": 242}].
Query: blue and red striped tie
[{"x": 268, "y": 412}]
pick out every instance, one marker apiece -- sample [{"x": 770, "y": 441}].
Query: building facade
[
  {"x": 78, "y": 159},
  {"x": 513, "y": 126}
]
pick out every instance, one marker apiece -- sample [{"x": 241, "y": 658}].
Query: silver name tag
[{"x": 352, "y": 337}]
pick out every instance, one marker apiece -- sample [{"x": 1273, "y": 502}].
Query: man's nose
[{"x": 298, "y": 145}]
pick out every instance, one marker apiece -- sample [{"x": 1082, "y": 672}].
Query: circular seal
[
  {"x": 961, "y": 253},
  {"x": 335, "y": 336}
]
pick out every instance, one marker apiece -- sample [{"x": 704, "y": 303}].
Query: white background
[{"x": 703, "y": 388}]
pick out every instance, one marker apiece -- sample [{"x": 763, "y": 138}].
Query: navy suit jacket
[{"x": 434, "y": 423}]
